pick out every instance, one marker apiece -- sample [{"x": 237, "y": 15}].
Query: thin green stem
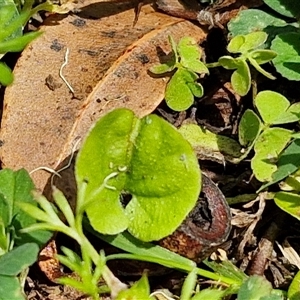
[
  {"x": 213, "y": 65},
  {"x": 171, "y": 264}
]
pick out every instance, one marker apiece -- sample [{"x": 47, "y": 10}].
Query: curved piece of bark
[{"x": 107, "y": 67}]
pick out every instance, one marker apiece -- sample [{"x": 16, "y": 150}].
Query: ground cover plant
[{"x": 143, "y": 184}]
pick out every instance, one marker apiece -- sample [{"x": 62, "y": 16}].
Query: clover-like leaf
[
  {"x": 253, "y": 40},
  {"x": 235, "y": 44},
  {"x": 181, "y": 89},
  {"x": 292, "y": 114},
  {"x": 228, "y": 62},
  {"x": 267, "y": 149},
  {"x": 270, "y": 105},
  {"x": 262, "y": 56},
  {"x": 260, "y": 69},
  {"x": 147, "y": 159},
  {"x": 287, "y": 61},
  {"x": 288, "y": 163},
  {"x": 190, "y": 54},
  {"x": 249, "y": 127},
  {"x": 241, "y": 79}
]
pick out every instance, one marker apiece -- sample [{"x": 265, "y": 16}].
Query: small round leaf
[
  {"x": 236, "y": 43},
  {"x": 228, "y": 62},
  {"x": 241, "y": 79},
  {"x": 270, "y": 105},
  {"x": 249, "y": 127}
]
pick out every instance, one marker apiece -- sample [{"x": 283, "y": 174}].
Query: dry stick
[{"x": 264, "y": 250}]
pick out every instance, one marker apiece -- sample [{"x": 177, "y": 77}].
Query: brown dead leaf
[{"x": 107, "y": 67}]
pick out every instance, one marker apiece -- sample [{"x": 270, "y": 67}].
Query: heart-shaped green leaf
[
  {"x": 267, "y": 149},
  {"x": 253, "y": 40},
  {"x": 270, "y": 105},
  {"x": 228, "y": 62},
  {"x": 288, "y": 163},
  {"x": 147, "y": 159},
  {"x": 249, "y": 127},
  {"x": 241, "y": 79},
  {"x": 262, "y": 56},
  {"x": 236, "y": 43},
  {"x": 181, "y": 89},
  {"x": 291, "y": 115}
]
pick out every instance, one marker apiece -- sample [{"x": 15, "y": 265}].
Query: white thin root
[
  {"x": 61, "y": 74},
  {"x": 45, "y": 169}
]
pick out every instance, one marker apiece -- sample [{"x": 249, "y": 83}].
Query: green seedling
[
  {"x": 247, "y": 49},
  {"x": 142, "y": 158},
  {"x": 13, "y": 18},
  {"x": 269, "y": 141},
  {"x": 186, "y": 67},
  {"x": 284, "y": 35}
]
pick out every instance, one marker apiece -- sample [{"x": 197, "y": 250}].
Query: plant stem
[
  {"x": 171, "y": 264},
  {"x": 213, "y": 65}
]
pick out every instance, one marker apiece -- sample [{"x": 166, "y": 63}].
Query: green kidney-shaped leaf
[
  {"x": 236, "y": 43},
  {"x": 288, "y": 202},
  {"x": 287, "y": 61},
  {"x": 180, "y": 90},
  {"x": 249, "y": 127},
  {"x": 147, "y": 159},
  {"x": 262, "y": 56},
  {"x": 241, "y": 79},
  {"x": 267, "y": 149},
  {"x": 253, "y": 40},
  {"x": 228, "y": 62},
  {"x": 288, "y": 8},
  {"x": 270, "y": 105}
]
